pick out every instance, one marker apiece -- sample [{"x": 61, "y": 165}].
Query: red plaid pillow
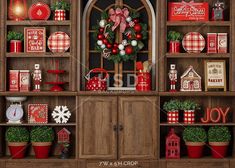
[{"x": 193, "y": 42}]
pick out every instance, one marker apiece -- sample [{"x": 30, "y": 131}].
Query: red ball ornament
[
  {"x": 114, "y": 51},
  {"x": 109, "y": 46},
  {"x": 129, "y": 50},
  {"x": 129, "y": 36},
  {"x": 105, "y": 41},
  {"x": 136, "y": 20},
  {"x": 115, "y": 45},
  {"x": 101, "y": 30},
  {"x": 139, "y": 36},
  {"x": 138, "y": 28},
  {"x": 100, "y": 36}
]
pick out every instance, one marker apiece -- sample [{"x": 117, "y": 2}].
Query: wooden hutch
[{"x": 116, "y": 126}]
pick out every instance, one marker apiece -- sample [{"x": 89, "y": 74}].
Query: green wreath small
[{"x": 133, "y": 32}]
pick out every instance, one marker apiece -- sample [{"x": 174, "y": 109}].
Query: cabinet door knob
[
  {"x": 120, "y": 127},
  {"x": 115, "y": 128}
]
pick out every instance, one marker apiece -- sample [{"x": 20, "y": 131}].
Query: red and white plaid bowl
[
  {"x": 193, "y": 42},
  {"x": 58, "y": 42}
]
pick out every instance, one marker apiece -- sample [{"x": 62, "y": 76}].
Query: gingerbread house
[
  {"x": 63, "y": 135},
  {"x": 191, "y": 80}
]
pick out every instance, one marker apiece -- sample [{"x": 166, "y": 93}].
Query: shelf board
[
  {"x": 193, "y": 94},
  {"x": 33, "y": 124},
  {"x": 38, "y": 23},
  {"x": 37, "y": 55},
  {"x": 198, "y": 23},
  {"x": 32, "y": 158},
  {"x": 117, "y": 93},
  {"x": 42, "y": 93},
  {"x": 197, "y": 55},
  {"x": 196, "y": 124},
  {"x": 203, "y": 159}
]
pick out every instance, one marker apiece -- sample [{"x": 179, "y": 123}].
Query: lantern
[
  {"x": 172, "y": 145},
  {"x": 17, "y": 10}
]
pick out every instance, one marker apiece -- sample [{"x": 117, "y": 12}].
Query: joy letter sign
[
  {"x": 215, "y": 114},
  {"x": 35, "y": 39}
]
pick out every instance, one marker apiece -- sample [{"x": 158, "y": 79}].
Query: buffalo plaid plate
[
  {"x": 58, "y": 42},
  {"x": 193, "y": 42}
]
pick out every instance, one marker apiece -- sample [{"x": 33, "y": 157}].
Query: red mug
[
  {"x": 143, "y": 81},
  {"x": 15, "y": 46},
  {"x": 174, "y": 47}
]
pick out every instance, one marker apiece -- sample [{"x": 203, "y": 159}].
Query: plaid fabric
[
  {"x": 193, "y": 42},
  {"x": 60, "y": 15},
  {"x": 58, "y": 42},
  {"x": 189, "y": 117},
  {"x": 173, "y": 116}
]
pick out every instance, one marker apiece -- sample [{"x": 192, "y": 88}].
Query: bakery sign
[
  {"x": 215, "y": 74},
  {"x": 35, "y": 39},
  {"x": 188, "y": 11}
]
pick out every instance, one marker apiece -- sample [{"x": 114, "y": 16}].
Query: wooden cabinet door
[
  {"x": 138, "y": 132},
  {"x": 97, "y": 118}
]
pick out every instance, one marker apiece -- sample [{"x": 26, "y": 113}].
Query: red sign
[
  {"x": 37, "y": 113},
  {"x": 178, "y": 11},
  {"x": 35, "y": 39},
  {"x": 214, "y": 115},
  {"x": 14, "y": 80}
]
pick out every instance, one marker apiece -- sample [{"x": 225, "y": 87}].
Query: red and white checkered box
[
  {"x": 60, "y": 15},
  {"x": 189, "y": 117},
  {"x": 193, "y": 42},
  {"x": 173, "y": 116},
  {"x": 58, "y": 42}
]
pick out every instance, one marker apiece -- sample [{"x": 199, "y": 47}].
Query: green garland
[{"x": 132, "y": 38}]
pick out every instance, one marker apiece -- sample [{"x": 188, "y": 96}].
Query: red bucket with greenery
[
  {"x": 15, "y": 40},
  {"x": 17, "y": 139},
  {"x": 195, "y": 138},
  {"x": 174, "y": 39},
  {"x": 41, "y": 138}
]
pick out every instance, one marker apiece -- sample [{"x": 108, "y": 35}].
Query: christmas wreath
[{"x": 132, "y": 33}]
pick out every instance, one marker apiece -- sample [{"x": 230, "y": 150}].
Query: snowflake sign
[{"x": 61, "y": 114}]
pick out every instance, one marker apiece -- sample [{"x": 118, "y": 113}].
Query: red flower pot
[
  {"x": 41, "y": 149},
  {"x": 195, "y": 149},
  {"x": 189, "y": 116},
  {"x": 17, "y": 149},
  {"x": 219, "y": 149},
  {"x": 60, "y": 15},
  {"x": 173, "y": 116},
  {"x": 174, "y": 47},
  {"x": 143, "y": 81},
  {"x": 15, "y": 46}
]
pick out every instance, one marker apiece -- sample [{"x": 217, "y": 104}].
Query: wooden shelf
[
  {"x": 195, "y": 23},
  {"x": 38, "y": 23},
  {"x": 205, "y": 158},
  {"x": 197, "y": 55},
  {"x": 32, "y": 158},
  {"x": 117, "y": 93},
  {"x": 42, "y": 93},
  {"x": 193, "y": 94},
  {"x": 48, "y": 124},
  {"x": 37, "y": 55},
  {"x": 196, "y": 124}
]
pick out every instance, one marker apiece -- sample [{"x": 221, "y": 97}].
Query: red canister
[
  {"x": 174, "y": 47},
  {"x": 15, "y": 46},
  {"x": 143, "y": 81},
  {"x": 60, "y": 15}
]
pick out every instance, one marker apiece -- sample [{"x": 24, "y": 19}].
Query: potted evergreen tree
[
  {"x": 41, "y": 138},
  {"x": 174, "y": 39},
  {"x": 17, "y": 139},
  {"x": 189, "y": 108},
  {"x": 60, "y": 8},
  {"x": 172, "y": 107},
  {"x": 219, "y": 137},
  {"x": 15, "y": 39},
  {"x": 195, "y": 138}
]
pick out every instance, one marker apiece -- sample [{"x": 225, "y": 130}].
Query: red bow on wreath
[{"x": 119, "y": 16}]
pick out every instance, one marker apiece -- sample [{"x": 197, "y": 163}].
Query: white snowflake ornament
[{"x": 61, "y": 114}]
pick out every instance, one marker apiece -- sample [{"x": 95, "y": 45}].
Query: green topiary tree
[
  {"x": 219, "y": 134},
  {"x": 174, "y": 36},
  {"x": 60, "y": 5},
  {"x": 189, "y": 105},
  {"x": 42, "y": 134},
  {"x": 194, "y": 134},
  {"x": 17, "y": 134},
  {"x": 15, "y": 36}
]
